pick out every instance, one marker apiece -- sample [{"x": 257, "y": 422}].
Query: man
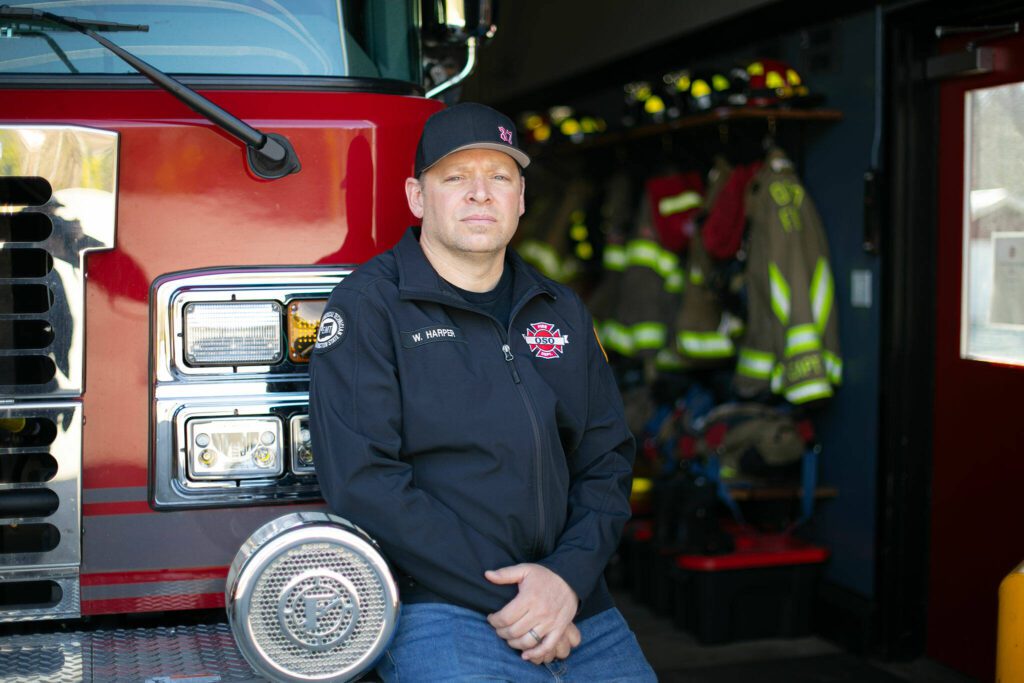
[{"x": 463, "y": 413}]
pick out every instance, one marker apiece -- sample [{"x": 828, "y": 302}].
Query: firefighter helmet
[
  {"x": 713, "y": 88},
  {"x": 774, "y": 82}
]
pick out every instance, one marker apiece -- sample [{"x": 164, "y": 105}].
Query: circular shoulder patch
[{"x": 331, "y": 332}]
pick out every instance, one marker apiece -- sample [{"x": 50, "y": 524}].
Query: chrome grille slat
[{"x": 80, "y": 166}]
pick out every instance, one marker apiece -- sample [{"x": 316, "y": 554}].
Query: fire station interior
[{"x": 845, "y": 518}]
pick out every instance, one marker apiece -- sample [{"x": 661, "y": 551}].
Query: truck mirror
[{"x": 455, "y": 21}]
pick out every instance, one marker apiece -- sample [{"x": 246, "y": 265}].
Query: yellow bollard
[{"x": 1010, "y": 638}]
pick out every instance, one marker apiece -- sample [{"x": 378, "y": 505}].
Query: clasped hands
[{"x": 544, "y": 607}]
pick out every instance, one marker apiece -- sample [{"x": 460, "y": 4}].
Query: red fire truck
[{"x": 163, "y": 264}]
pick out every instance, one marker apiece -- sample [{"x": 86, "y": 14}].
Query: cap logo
[
  {"x": 545, "y": 340},
  {"x": 505, "y": 133}
]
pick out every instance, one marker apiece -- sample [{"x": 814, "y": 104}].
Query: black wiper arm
[
  {"x": 34, "y": 16},
  {"x": 270, "y": 155}
]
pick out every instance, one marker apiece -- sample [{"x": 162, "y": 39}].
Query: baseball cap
[{"x": 467, "y": 125}]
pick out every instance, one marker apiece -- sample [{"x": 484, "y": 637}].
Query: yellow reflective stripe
[
  {"x": 543, "y": 256},
  {"x": 822, "y": 294},
  {"x": 675, "y": 282},
  {"x": 755, "y": 364},
  {"x": 780, "y": 294},
  {"x": 802, "y": 338},
  {"x": 667, "y": 359},
  {"x": 614, "y": 257},
  {"x": 643, "y": 253},
  {"x": 617, "y": 337},
  {"x": 809, "y": 391},
  {"x": 696, "y": 276},
  {"x": 705, "y": 344},
  {"x": 667, "y": 263},
  {"x": 778, "y": 378},
  {"x": 833, "y": 367},
  {"x": 681, "y": 202},
  {"x": 648, "y": 335}
]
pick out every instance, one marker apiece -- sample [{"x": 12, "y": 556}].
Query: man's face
[{"x": 469, "y": 202}]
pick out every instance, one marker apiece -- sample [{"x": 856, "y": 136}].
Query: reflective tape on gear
[
  {"x": 679, "y": 203},
  {"x": 614, "y": 257},
  {"x": 667, "y": 263},
  {"x": 780, "y": 294},
  {"x": 833, "y": 367},
  {"x": 667, "y": 359},
  {"x": 675, "y": 282},
  {"x": 822, "y": 293},
  {"x": 704, "y": 345},
  {"x": 808, "y": 391},
  {"x": 801, "y": 339},
  {"x": 696, "y": 276},
  {"x": 647, "y": 254},
  {"x": 643, "y": 253},
  {"x": 543, "y": 256},
  {"x": 755, "y": 364},
  {"x": 649, "y": 335},
  {"x": 617, "y": 337},
  {"x": 778, "y": 378}
]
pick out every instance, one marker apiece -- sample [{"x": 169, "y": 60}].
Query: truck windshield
[{"x": 355, "y": 38}]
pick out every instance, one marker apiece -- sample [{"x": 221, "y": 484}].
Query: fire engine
[{"x": 164, "y": 259}]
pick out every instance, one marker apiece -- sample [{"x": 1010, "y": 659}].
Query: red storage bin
[{"x": 764, "y": 589}]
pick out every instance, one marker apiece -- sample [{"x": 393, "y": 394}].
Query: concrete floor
[{"x": 678, "y": 658}]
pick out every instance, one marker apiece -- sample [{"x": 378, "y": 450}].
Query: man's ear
[
  {"x": 522, "y": 195},
  {"x": 414, "y": 195}
]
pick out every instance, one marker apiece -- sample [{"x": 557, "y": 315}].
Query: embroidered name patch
[
  {"x": 428, "y": 335},
  {"x": 545, "y": 340},
  {"x": 331, "y": 332}
]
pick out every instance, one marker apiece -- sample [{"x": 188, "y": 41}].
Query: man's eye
[{"x": 452, "y": 178}]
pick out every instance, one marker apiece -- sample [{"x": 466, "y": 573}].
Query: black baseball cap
[{"x": 467, "y": 125}]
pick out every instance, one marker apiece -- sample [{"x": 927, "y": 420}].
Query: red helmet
[{"x": 773, "y": 82}]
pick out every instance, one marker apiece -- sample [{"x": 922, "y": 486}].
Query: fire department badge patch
[
  {"x": 545, "y": 340},
  {"x": 330, "y": 332}
]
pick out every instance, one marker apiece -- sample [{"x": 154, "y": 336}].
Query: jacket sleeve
[
  {"x": 601, "y": 470},
  {"x": 356, "y": 423}
]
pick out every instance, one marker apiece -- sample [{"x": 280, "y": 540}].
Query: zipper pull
[{"x": 508, "y": 357}]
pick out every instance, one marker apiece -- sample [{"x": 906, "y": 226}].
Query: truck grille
[{"x": 57, "y": 199}]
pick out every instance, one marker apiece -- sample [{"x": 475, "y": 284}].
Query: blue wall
[{"x": 835, "y": 159}]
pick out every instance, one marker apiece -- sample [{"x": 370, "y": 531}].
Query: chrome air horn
[{"x": 310, "y": 597}]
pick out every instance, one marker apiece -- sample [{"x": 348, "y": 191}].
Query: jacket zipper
[{"x": 538, "y": 460}]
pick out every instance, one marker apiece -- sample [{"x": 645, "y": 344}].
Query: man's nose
[{"x": 479, "y": 191}]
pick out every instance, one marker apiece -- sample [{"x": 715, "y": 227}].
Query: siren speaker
[{"x": 310, "y": 597}]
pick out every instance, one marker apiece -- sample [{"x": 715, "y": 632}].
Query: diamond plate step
[{"x": 203, "y": 653}]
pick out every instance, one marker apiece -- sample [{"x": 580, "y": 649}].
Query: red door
[{"x": 977, "y": 521}]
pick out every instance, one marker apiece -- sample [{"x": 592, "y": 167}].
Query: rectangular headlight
[
  {"x": 232, "y": 333},
  {"x": 302, "y": 451},
  {"x": 234, "y": 448}
]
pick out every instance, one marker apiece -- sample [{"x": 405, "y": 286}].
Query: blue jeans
[{"x": 440, "y": 642}]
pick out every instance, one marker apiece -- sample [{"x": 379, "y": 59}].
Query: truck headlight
[
  {"x": 234, "y": 448},
  {"x": 302, "y": 450},
  {"x": 232, "y": 333}
]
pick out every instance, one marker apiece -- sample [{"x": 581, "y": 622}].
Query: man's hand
[{"x": 545, "y": 605}]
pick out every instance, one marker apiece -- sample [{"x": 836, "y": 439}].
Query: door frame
[{"x": 909, "y": 254}]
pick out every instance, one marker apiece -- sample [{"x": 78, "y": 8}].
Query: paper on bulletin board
[{"x": 1007, "y": 279}]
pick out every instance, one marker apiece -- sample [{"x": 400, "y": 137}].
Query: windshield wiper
[{"x": 270, "y": 155}]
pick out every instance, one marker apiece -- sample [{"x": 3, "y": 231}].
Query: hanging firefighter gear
[{"x": 791, "y": 346}]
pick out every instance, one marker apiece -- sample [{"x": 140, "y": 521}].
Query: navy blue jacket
[{"x": 462, "y": 446}]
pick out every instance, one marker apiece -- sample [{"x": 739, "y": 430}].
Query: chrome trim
[
  {"x": 69, "y": 606},
  {"x": 294, "y": 425},
  {"x": 173, "y": 292},
  {"x": 181, "y": 392},
  {"x": 273, "y": 563},
  {"x": 63, "y": 563},
  {"x": 467, "y": 69},
  {"x": 81, "y": 166}
]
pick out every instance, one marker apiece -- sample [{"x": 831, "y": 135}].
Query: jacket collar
[{"x": 417, "y": 279}]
